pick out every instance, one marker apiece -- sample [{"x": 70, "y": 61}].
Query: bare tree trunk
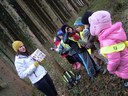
[
  {"x": 42, "y": 17},
  {"x": 74, "y": 5},
  {"x": 48, "y": 9},
  {"x": 59, "y": 13},
  {"x": 34, "y": 19},
  {"x": 62, "y": 8},
  {"x": 87, "y": 2},
  {"x": 80, "y": 2},
  {"x": 5, "y": 49},
  {"x": 70, "y": 9}
]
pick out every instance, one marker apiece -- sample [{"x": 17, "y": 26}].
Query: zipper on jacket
[{"x": 35, "y": 74}]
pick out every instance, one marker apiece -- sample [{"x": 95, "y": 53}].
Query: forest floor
[{"x": 12, "y": 86}]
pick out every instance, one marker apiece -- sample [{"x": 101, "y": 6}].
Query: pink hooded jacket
[{"x": 117, "y": 61}]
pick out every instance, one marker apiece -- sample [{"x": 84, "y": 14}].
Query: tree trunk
[
  {"x": 70, "y": 9},
  {"x": 86, "y": 2},
  {"x": 33, "y": 19},
  {"x": 74, "y": 5},
  {"x": 54, "y": 18}
]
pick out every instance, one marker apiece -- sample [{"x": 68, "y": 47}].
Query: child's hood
[{"x": 114, "y": 32}]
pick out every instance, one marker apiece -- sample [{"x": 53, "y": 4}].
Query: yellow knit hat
[{"x": 16, "y": 45}]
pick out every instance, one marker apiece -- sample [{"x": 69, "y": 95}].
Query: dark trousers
[
  {"x": 71, "y": 59},
  {"x": 46, "y": 86},
  {"x": 78, "y": 58},
  {"x": 89, "y": 64},
  {"x": 74, "y": 58}
]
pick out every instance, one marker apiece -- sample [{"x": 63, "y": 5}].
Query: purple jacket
[{"x": 117, "y": 61}]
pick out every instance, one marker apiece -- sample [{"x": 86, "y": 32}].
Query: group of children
[
  {"x": 80, "y": 46},
  {"x": 76, "y": 45},
  {"x": 92, "y": 37}
]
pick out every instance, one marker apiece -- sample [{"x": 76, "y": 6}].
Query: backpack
[{"x": 71, "y": 79}]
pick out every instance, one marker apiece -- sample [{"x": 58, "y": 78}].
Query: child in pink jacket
[{"x": 112, "y": 38}]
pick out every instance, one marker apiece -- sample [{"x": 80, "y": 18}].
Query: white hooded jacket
[{"x": 25, "y": 68}]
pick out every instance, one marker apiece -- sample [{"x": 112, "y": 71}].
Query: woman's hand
[{"x": 36, "y": 64}]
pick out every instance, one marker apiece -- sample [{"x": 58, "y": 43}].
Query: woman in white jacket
[{"x": 26, "y": 66}]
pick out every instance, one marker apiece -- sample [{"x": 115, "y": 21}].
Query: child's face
[
  {"x": 61, "y": 37},
  {"x": 79, "y": 28},
  {"x": 86, "y": 26},
  {"x": 70, "y": 29}
]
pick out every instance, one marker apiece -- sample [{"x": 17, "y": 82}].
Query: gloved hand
[{"x": 36, "y": 64}]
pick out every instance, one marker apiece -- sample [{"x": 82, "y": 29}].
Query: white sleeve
[{"x": 23, "y": 71}]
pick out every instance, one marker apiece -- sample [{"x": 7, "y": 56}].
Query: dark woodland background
[{"x": 35, "y": 22}]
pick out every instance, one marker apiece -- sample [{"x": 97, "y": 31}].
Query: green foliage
[{"x": 99, "y": 5}]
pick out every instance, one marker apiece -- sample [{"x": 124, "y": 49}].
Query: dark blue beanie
[{"x": 60, "y": 33}]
